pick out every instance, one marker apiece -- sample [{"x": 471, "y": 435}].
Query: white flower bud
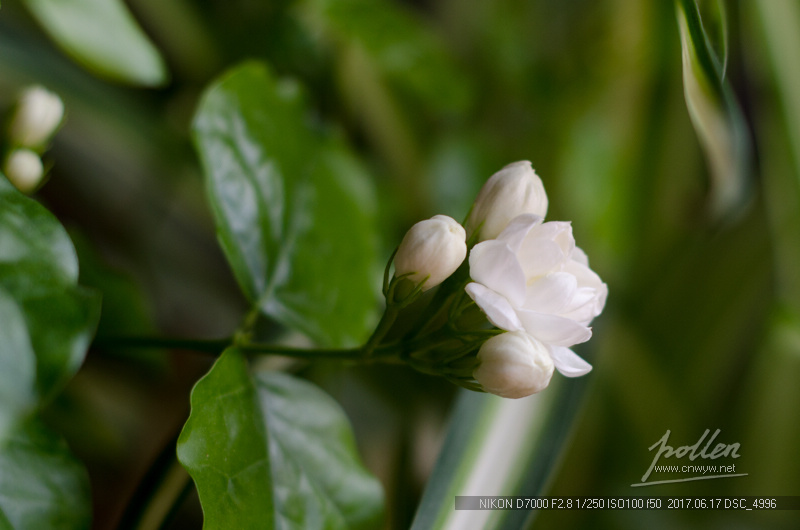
[
  {"x": 38, "y": 115},
  {"x": 516, "y": 189},
  {"x": 514, "y": 365},
  {"x": 431, "y": 249},
  {"x": 24, "y": 169}
]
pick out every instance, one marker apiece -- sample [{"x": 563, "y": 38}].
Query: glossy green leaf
[
  {"x": 715, "y": 113},
  {"x": 41, "y": 484},
  {"x": 292, "y": 206},
  {"x": 103, "y": 36},
  {"x": 41, "y": 299},
  {"x": 272, "y": 451}
]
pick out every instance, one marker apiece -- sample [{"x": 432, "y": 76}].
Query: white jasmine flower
[
  {"x": 534, "y": 278},
  {"x": 24, "y": 169},
  {"x": 38, "y": 115},
  {"x": 514, "y": 365},
  {"x": 431, "y": 251},
  {"x": 512, "y": 191}
]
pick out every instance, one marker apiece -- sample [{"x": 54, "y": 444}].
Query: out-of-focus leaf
[
  {"x": 41, "y": 484},
  {"x": 714, "y": 15},
  {"x": 61, "y": 326},
  {"x": 36, "y": 254},
  {"x": 17, "y": 364},
  {"x": 779, "y": 129},
  {"x": 272, "y": 451},
  {"x": 38, "y": 275},
  {"x": 292, "y": 207},
  {"x": 770, "y": 383},
  {"x": 781, "y": 21},
  {"x": 497, "y": 447},
  {"x": 400, "y": 46},
  {"x": 103, "y": 36},
  {"x": 715, "y": 113}
]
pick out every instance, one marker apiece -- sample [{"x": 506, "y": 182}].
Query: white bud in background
[
  {"x": 516, "y": 189},
  {"x": 514, "y": 365},
  {"x": 431, "y": 249},
  {"x": 39, "y": 113},
  {"x": 23, "y": 168}
]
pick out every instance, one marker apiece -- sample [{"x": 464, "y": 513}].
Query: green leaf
[
  {"x": 17, "y": 364},
  {"x": 273, "y": 451},
  {"x": 497, "y": 447},
  {"x": 41, "y": 484},
  {"x": 103, "y": 36},
  {"x": 61, "y": 327},
  {"x": 36, "y": 254},
  {"x": 292, "y": 206},
  {"x": 715, "y": 113},
  {"x": 49, "y": 320}
]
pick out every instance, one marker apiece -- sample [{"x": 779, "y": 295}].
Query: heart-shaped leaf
[
  {"x": 293, "y": 208},
  {"x": 273, "y": 451}
]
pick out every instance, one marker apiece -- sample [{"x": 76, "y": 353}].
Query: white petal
[
  {"x": 569, "y": 363},
  {"x": 580, "y": 256},
  {"x": 553, "y": 293},
  {"x": 586, "y": 276},
  {"x": 558, "y": 231},
  {"x": 584, "y": 307},
  {"x": 553, "y": 329},
  {"x": 600, "y": 303},
  {"x": 494, "y": 265},
  {"x": 518, "y": 228},
  {"x": 497, "y": 308},
  {"x": 539, "y": 257}
]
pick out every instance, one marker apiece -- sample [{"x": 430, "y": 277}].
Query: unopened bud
[
  {"x": 514, "y": 365},
  {"x": 516, "y": 189},
  {"x": 38, "y": 115},
  {"x": 431, "y": 251},
  {"x": 24, "y": 169}
]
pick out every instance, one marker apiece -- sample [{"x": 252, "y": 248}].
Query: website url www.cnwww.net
[{"x": 696, "y": 470}]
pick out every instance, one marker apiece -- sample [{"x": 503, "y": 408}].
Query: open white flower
[
  {"x": 514, "y": 190},
  {"x": 513, "y": 365},
  {"x": 534, "y": 278},
  {"x": 431, "y": 251}
]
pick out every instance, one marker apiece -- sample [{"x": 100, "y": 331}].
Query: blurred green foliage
[{"x": 702, "y": 329}]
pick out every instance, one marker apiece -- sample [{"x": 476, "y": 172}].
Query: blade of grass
[
  {"x": 497, "y": 447},
  {"x": 715, "y": 113}
]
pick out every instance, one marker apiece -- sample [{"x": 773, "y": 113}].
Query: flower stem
[
  {"x": 350, "y": 354},
  {"x": 383, "y": 353},
  {"x": 159, "y": 494},
  {"x": 214, "y": 347},
  {"x": 388, "y": 318}
]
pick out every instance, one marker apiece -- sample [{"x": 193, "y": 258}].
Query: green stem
[
  {"x": 159, "y": 494},
  {"x": 351, "y": 354},
  {"x": 214, "y": 347},
  {"x": 383, "y": 353},
  {"x": 388, "y": 318}
]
